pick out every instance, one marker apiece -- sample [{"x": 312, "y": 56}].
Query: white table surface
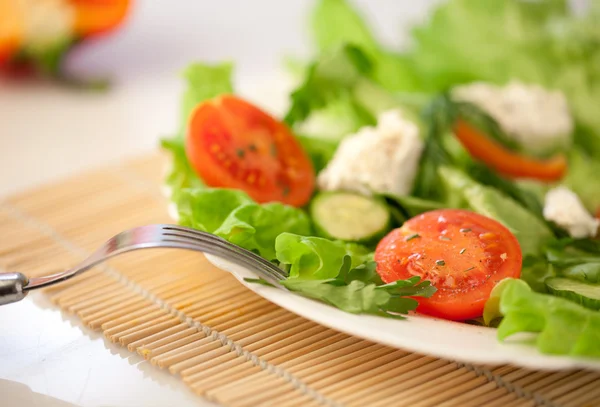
[{"x": 46, "y": 133}]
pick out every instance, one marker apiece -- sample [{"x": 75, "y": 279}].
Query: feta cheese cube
[
  {"x": 563, "y": 207},
  {"x": 382, "y": 159}
]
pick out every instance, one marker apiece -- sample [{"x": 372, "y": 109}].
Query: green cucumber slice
[
  {"x": 583, "y": 293},
  {"x": 350, "y": 217}
]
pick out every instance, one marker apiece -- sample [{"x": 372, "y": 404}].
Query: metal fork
[{"x": 15, "y": 286}]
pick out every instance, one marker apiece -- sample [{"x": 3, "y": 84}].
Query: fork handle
[{"x": 11, "y": 287}]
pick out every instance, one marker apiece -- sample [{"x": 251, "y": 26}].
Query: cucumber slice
[
  {"x": 583, "y": 293},
  {"x": 350, "y": 217}
]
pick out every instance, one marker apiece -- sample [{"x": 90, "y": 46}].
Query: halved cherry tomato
[
  {"x": 507, "y": 162},
  {"x": 94, "y": 17},
  {"x": 233, "y": 144},
  {"x": 462, "y": 253}
]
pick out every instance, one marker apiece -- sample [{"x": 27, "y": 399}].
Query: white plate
[{"x": 431, "y": 336}]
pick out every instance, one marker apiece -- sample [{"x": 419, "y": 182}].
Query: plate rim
[{"x": 330, "y": 317}]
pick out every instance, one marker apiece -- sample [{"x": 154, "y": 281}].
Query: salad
[
  {"x": 36, "y": 36},
  {"x": 457, "y": 179}
]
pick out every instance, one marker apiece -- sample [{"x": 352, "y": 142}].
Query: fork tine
[
  {"x": 170, "y": 230},
  {"x": 227, "y": 251},
  {"x": 190, "y": 245}
]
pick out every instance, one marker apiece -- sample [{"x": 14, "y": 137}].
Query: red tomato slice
[
  {"x": 462, "y": 253},
  {"x": 232, "y": 144},
  {"x": 506, "y": 162},
  {"x": 94, "y": 17}
]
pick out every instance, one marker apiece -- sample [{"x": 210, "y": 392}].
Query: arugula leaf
[
  {"x": 232, "y": 215},
  {"x": 204, "y": 82},
  {"x": 563, "y": 327},
  {"x": 358, "y": 297},
  {"x": 440, "y": 115}
]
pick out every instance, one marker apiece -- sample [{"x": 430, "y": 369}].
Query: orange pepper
[
  {"x": 505, "y": 161},
  {"x": 94, "y": 17},
  {"x": 11, "y": 29}
]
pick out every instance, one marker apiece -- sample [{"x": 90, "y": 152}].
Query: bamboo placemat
[{"x": 225, "y": 342}]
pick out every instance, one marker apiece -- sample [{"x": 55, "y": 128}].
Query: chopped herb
[
  {"x": 411, "y": 237},
  {"x": 465, "y": 230},
  {"x": 252, "y": 147},
  {"x": 462, "y": 250},
  {"x": 440, "y": 262},
  {"x": 273, "y": 150},
  {"x": 240, "y": 152},
  {"x": 445, "y": 238},
  {"x": 286, "y": 190},
  {"x": 469, "y": 269}
]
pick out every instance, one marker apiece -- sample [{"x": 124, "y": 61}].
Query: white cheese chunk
[
  {"x": 381, "y": 159},
  {"x": 563, "y": 207},
  {"x": 537, "y": 118}
]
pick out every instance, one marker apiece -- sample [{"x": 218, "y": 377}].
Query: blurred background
[{"x": 48, "y": 131}]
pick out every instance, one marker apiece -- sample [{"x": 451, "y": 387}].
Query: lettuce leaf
[
  {"x": 335, "y": 23},
  {"x": 582, "y": 169},
  {"x": 463, "y": 192},
  {"x": 540, "y": 42},
  {"x": 204, "y": 81},
  {"x": 562, "y": 327},
  {"x": 234, "y": 216},
  {"x": 180, "y": 174},
  {"x": 329, "y": 81},
  {"x": 311, "y": 258}
]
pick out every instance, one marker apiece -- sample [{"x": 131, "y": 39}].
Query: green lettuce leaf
[
  {"x": 180, "y": 174},
  {"x": 204, "y": 82},
  {"x": 335, "y": 22},
  {"x": 232, "y": 215},
  {"x": 562, "y": 327},
  {"x": 462, "y": 191},
  {"x": 329, "y": 81},
  {"x": 315, "y": 258},
  {"x": 319, "y": 150},
  {"x": 540, "y": 42},
  {"x": 583, "y": 168}
]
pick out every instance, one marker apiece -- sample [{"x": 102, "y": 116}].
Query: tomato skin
[
  {"x": 230, "y": 143},
  {"x": 507, "y": 162},
  {"x": 462, "y": 253}
]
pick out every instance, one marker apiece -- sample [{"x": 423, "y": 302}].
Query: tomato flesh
[
  {"x": 232, "y": 144},
  {"x": 462, "y": 253},
  {"x": 507, "y": 162}
]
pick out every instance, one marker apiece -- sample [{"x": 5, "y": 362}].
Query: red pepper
[{"x": 505, "y": 161}]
